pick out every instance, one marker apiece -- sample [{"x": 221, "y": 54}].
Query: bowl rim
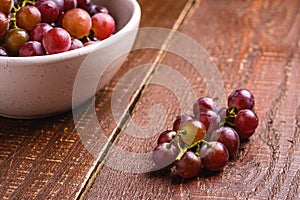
[{"x": 129, "y": 26}]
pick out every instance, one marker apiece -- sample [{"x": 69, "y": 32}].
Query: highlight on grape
[{"x": 41, "y": 27}]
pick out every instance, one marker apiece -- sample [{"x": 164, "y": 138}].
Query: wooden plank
[
  {"x": 45, "y": 158},
  {"x": 255, "y": 45}
]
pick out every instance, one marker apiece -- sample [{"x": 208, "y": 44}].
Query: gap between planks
[{"x": 188, "y": 9}]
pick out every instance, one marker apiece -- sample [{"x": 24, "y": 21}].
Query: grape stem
[
  {"x": 182, "y": 150},
  {"x": 230, "y": 117}
]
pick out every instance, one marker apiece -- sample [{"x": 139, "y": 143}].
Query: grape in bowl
[{"x": 38, "y": 86}]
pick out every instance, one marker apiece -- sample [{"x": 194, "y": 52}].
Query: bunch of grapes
[
  {"x": 41, "y": 27},
  {"x": 209, "y": 138}
]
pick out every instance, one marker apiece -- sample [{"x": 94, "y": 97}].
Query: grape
[
  {"x": 38, "y": 32},
  {"x": 76, "y": 44},
  {"x": 70, "y": 4},
  {"x": 189, "y": 165},
  {"x": 32, "y": 48},
  {"x": 214, "y": 156},
  {"x": 180, "y": 120},
  {"x": 164, "y": 155},
  {"x": 60, "y": 5},
  {"x": 15, "y": 38},
  {"x": 94, "y": 9},
  {"x": 166, "y": 136},
  {"x": 49, "y": 10},
  {"x": 6, "y": 6},
  {"x": 28, "y": 17},
  {"x": 228, "y": 137},
  {"x": 241, "y": 99},
  {"x": 103, "y": 25},
  {"x": 77, "y": 22},
  {"x": 210, "y": 119},
  {"x": 57, "y": 40},
  {"x": 246, "y": 122},
  {"x": 194, "y": 131},
  {"x": 3, "y": 51},
  {"x": 203, "y": 104},
  {"x": 4, "y": 24},
  {"x": 84, "y": 4}
]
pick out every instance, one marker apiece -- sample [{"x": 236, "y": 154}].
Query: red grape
[
  {"x": 241, "y": 99},
  {"x": 49, "y": 10},
  {"x": 38, "y": 32},
  {"x": 103, "y": 25},
  {"x": 203, "y": 104},
  {"x": 57, "y": 40},
  {"x": 28, "y": 17},
  {"x": 84, "y": 4},
  {"x": 189, "y": 165},
  {"x": 77, "y": 22},
  {"x": 166, "y": 136},
  {"x": 60, "y": 5},
  {"x": 164, "y": 155},
  {"x": 70, "y": 4},
  {"x": 94, "y": 9},
  {"x": 76, "y": 44},
  {"x": 214, "y": 156},
  {"x": 246, "y": 122},
  {"x": 228, "y": 137},
  {"x": 180, "y": 120},
  {"x": 4, "y": 24},
  {"x": 32, "y": 48},
  {"x": 210, "y": 119}
]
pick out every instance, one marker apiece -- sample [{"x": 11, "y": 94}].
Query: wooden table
[{"x": 254, "y": 44}]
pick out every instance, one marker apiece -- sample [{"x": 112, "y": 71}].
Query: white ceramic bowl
[{"x": 32, "y": 87}]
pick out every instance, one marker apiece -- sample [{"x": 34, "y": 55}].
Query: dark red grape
[
  {"x": 49, "y": 10},
  {"x": 28, "y": 17},
  {"x": 164, "y": 155},
  {"x": 77, "y": 22},
  {"x": 84, "y": 4},
  {"x": 241, "y": 99},
  {"x": 60, "y": 5},
  {"x": 32, "y": 48},
  {"x": 103, "y": 25},
  {"x": 15, "y": 38},
  {"x": 203, "y": 104},
  {"x": 166, "y": 136},
  {"x": 214, "y": 156},
  {"x": 57, "y": 40},
  {"x": 189, "y": 165},
  {"x": 38, "y": 32},
  {"x": 3, "y": 51},
  {"x": 210, "y": 119},
  {"x": 180, "y": 120},
  {"x": 76, "y": 44},
  {"x": 246, "y": 122},
  {"x": 194, "y": 131},
  {"x": 4, "y": 24},
  {"x": 70, "y": 4},
  {"x": 94, "y": 9},
  {"x": 228, "y": 137}
]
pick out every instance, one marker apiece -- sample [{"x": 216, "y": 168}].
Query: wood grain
[
  {"x": 45, "y": 158},
  {"x": 255, "y": 44}
]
